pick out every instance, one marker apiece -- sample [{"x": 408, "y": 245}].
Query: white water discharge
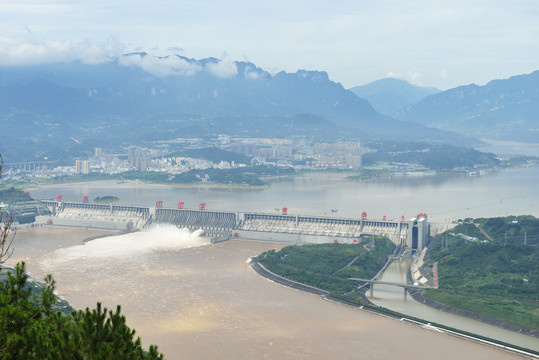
[{"x": 126, "y": 247}]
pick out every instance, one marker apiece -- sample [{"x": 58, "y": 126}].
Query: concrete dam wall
[{"x": 242, "y": 225}]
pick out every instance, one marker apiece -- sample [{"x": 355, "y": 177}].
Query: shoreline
[
  {"x": 130, "y": 183},
  {"x": 418, "y": 296},
  {"x": 346, "y": 174},
  {"x": 325, "y": 295}
]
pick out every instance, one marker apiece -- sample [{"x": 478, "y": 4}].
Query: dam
[{"x": 283, "y": 227}]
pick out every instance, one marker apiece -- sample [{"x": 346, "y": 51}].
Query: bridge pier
[{"x": 371, "y": 291}]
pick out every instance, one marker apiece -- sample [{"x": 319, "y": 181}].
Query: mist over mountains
[{"x": 66, "y": 109}]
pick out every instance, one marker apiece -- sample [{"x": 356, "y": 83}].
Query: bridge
[
  {"x": 407, "y": 286},
  {"x": 27, "y": 165},
  {"x": 284, "y": 227},
  {"x": 372, "y": 282}
]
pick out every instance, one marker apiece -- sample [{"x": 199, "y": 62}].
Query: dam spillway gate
[{"x": 286, "y": 228}]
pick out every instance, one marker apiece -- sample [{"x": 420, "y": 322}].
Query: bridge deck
[{"x": 389, "y": 283}]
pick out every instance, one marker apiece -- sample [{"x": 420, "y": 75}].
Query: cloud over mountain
[
  {"x": 25, "y": 51},
  {"x": 160, "y": 66}
]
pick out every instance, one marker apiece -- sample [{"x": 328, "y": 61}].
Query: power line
[{"x": 500, "y": 201}]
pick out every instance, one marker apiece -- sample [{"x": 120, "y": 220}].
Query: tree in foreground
[
  {"x": 30, "y": 328},
  {"x": 5, "y": 226}
]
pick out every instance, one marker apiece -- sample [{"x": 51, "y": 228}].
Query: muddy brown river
[{"x": 197, "y": 300}]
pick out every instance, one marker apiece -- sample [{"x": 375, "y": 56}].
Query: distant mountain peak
[
  {"x": 503, "y": 109},
  {"x": 389, "y": 95},
  {"x": 146, "y": 98}
]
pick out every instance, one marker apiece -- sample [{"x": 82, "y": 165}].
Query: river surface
[
  {"x": 392, "y": 297},
  {"x": 197, "y": 300},
  {"x": 444, "y": 197}
]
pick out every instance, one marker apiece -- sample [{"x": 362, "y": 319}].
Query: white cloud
[
  {"x": 175, "y": 49},
  {"x": 251, "y": 75},
  {"x": 24, "y": 51},
  {"x": 391, "y": 74},
  {"x": 410, "y": 76},
  {"x": 223, "y": 68},
  {"x": 443, "y": 74},
  {"x": 160, "y": 66}
]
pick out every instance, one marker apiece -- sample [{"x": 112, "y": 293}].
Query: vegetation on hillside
[
  {"x": 435, "y": 157},
  {"x": 20, "y": 206},
  {"x": 491, "y": 267},
  {"x": 246, "y": 175},
  {"x": 328, "y": 266},
  {"x": 12, "y": 195},
  {"x": 249, "y": 175}
]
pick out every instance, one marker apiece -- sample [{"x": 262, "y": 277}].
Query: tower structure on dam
[
  {"x": 284, "y": 227},
  {"x": 418, "y": 233}
]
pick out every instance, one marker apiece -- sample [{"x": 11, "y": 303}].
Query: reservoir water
[{"x": 444, "y": 197}]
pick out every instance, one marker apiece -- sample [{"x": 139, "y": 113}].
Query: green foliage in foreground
[
  {"x": 328, "y": 266},
  {"x": 488, "y": 277},
  {"x": 30, "y": 329}
]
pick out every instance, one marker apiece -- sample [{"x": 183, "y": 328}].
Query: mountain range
[
  {"x": 501, "y": 110},
  {"x": 64, "y": 110},
  {"x": 53, "y": 110}
]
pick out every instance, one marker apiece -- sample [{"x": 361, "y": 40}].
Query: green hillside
[
  {"x": 491, "y": 267},
  {"x": 328, "y": 266}
]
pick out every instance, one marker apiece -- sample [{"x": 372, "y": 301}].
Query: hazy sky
[{"x": 441, "y": 43}]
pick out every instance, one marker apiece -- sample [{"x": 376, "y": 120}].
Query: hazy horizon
[{"x": 436, "y": 44}]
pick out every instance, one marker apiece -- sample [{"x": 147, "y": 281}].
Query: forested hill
[
  {"x": 502, "y": 109},
  {"x": 435, "y": 157},
  {"x": 12, "y": 195},
  {"x": 490, "y": 267}
]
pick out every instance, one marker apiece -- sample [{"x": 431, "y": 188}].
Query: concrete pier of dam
[{"x": 297, "y": 229}]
